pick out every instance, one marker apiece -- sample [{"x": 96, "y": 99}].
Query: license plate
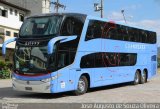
[{"x": 28, "y": 88}]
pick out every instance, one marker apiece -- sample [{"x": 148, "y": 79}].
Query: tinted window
[
  {"x": 144, "y": 36},
  {"x": 94, "y": 30},
  {"x": 88, "y": 61},
  {"x": 110, "y": 30},
  {"x": 31, "y": 59},
  {"x": 71, "y": 26},
  {"x": 151, "y": 37},
  {"x": 41, "y": 26},
  {"x": 97, "y": 60}
]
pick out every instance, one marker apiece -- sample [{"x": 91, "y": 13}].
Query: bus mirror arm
[
  {"x": 62, "y": 39},
  {"x": 5, "y": 45}
]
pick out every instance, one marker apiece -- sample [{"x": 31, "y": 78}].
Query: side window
[
  {"x": 62, "y": 58},
  {"x": 94, "y": 30},
  {"x": 71, "y": 26},
  {"x": 151, "y": 37},
  {"x": 113, "y": 31},
  {"x": 119, "y": 33},
  {"x": 98, "y": 60},
  {"x": 124, "y": 60},
  {"x": 132, "y": 35},
  {"x": 143, "y": 35},
  {"x": 154, "y": 58},
  {"x": 136, "y": 35},
  {"x": 154, "y": 38},
  {"x": 127, "y": 59},
  {"x": 88, "y": 61},
  {"x": 98, "y": 29},
  {"x": 110, "y": 59},
  {"x": 132, "y": 59},
  {"x": 123, "y": 33},
  {"x": 72, "y": 53}
]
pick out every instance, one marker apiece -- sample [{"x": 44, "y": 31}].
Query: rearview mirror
[
  {"x": 5, "y": 45},
  {"x": 62, "y": 39}
]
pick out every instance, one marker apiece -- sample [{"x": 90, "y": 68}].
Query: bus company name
[
  {"x": 32, "y": 43},
  {"x": 135, "y": 46}
]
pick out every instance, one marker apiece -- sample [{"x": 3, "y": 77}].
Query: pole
[
  {"x": 101, "y": 8},
  {"x": 124, "y": 16},
  {"x": 57, "y": 6}
]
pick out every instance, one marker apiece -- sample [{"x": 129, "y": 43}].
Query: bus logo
[{"x": 32, "y": 43}]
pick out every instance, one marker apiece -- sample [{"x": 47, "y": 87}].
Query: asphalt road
[{"x": 121, "y": 93}]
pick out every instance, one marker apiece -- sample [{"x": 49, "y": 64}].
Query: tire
[
  {"x": 143, "y": 77},
  {"x": 82, "y": 86},
  {"x": 136, "y": 78}
]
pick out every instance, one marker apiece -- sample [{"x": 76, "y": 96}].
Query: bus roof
[
  {"x": 62, "y": 14},
  {"x": 92, "y": 17}
]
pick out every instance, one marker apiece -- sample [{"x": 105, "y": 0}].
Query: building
[
  {"x": 35, "y": 6},
  {"x": 12, "y": 14}
]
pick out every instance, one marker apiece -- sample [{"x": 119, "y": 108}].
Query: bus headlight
[
  {"x": 50, "y": 79},
  {"x": 46, "y": 80}
]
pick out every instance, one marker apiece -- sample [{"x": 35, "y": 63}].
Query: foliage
[
  {"x": 158, "y": 62},
  {"x": 5, "y": 70}
]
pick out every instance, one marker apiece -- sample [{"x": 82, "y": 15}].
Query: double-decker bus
[{"x": 74, "y": 52}]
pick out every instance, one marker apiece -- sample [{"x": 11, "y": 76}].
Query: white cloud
[
  {"x": 117, "y": 16},
  {"x": 150, "y": 24},
  {"x": 133, "y": 7}
]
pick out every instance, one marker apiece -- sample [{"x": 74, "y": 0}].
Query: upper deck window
[
  {"x": 107, "y": 30},
  {"x": 40, "y": 26}
]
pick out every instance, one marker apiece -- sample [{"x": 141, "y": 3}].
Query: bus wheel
[
  {"x": 82, "y": 86},
  {"x": 143, "y": 77},
  {"x": 136, "y": 78}
]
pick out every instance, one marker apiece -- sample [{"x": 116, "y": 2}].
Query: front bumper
[{"x": 31, "y": 86}]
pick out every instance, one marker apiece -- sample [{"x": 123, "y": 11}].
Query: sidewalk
[{"x": 5, "y": 83}]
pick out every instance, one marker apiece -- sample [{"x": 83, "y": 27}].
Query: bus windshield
[
  {"x": 31, "y": 59},
  {"x": 41, "y": 26}
]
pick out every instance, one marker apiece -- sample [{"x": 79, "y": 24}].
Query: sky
[{"x": 143, "y": 13}]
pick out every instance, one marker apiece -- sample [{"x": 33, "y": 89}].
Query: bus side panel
[
  {"x": 53, "y": 83},
  {"x": 153, "y": 65},
  {"x": 63, "y": 83}
]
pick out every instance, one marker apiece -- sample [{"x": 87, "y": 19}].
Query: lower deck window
[{"x": 96, "y": 60}]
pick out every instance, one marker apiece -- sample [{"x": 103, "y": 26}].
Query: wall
[
  {"x": 10, "y": 23},
  {"x": 35, "y": 6}
]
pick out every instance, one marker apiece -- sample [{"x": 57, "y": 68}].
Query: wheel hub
[{"x": 81, "y": 85}]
